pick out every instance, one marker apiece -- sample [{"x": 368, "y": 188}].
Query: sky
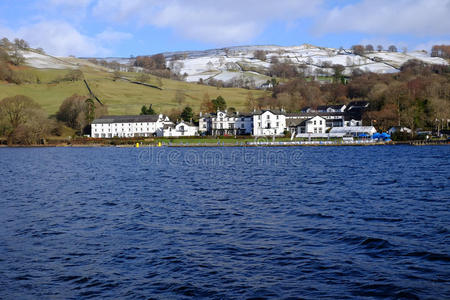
[{"x": 121, "y": 28}]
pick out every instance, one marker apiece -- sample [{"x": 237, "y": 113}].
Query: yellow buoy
[
  {"x": 137, "y": 145},
  {"x": 159, "y": 144}
]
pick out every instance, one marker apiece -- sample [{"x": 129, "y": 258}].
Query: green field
[{"x": 120, "y": 96}]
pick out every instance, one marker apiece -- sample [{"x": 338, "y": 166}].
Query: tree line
[{"x": 23, "y": 121}]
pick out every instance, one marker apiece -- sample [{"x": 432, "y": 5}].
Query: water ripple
[{"x": 341, "y": 223}]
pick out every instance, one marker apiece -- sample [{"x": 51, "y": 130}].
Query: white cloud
[
  {"x": 57, "y": 38},
  {"x": 72, "y": 3},
  {"x": 387, "y": 17},
  {"x": 75, "y": 10},
  {"x": 110, "y": 36},
  {"x": 427, "y": 46},
  {"x": 220, "y": 22}
]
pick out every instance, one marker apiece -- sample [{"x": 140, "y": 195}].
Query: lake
[{"x": 293, "y": 222}]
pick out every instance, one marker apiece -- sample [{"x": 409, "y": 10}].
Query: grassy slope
[{"x": 121, "y": 97}]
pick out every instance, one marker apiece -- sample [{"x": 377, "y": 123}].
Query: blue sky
[{"x": 133, "y": 27}]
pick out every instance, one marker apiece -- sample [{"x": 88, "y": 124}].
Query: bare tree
[
  {"x": 260, "y": 54},
  {"x": 369, "y": 48},
  {"x": 358, "y": 49},
  {"x": 392, "y": 48},
  {"x": 380, "y": 48},
  {"x": 21, "y": 116},
  {"x": 78, "y": 111}
]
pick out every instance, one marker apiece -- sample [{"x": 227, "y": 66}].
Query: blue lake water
[{"x": 303, "y": 222}]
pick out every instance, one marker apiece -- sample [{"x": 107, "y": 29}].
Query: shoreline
[{"x": 268, "y": 145}]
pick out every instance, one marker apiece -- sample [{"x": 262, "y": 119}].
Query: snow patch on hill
[
  {"x": 240, "y": 64},
  {"x": 236, "y": 62}
]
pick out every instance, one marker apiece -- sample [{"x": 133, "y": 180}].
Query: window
[
  {"x": 278, "y": 117},
  {"x": 204, "y": 125},
  {"x": 259, "y": 117},
  {"x": 268, "y": 117},
  {"x": 320, "y": 122},
  {"x": 278, "y": 124},
  {"x": 314, "y": 122},
  {"x": 242, "y": 119},
  {"x": 242, "y": 125},
  {"x": 221, "y": 126},
  {"x": 259, "y": 124}
]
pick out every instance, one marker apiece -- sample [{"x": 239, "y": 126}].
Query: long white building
[{"x": 129, "y": 126}]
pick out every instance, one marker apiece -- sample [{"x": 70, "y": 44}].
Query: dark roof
[
  {"x": 313, "y": 114},
  {"x": 360, "y": 104},
  {"x": 228, "y": 114},
  {"x": 126, "y": 119},
  {"x": 293, "y": 122},
  {"x": 336, "y": 106},
  {"x": 275, "y": 112},
  {"x": 304, "y": 109}
]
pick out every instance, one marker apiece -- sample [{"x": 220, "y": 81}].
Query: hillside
[
  {"x": 233, "y": 63},
  {"x": 121, "y": 97}
]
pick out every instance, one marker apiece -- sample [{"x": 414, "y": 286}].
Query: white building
[
  {"x": 180, "y": 129},
  {"x": 128, "y": 126},
  {"x": 316, "y": 124},
  {"x": 269, "y": 123},
  {"x": 225, "y": 123}
]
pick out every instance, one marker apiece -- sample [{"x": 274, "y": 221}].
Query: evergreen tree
[
  {"x": 187, "y": 114},
  {"x": 147, "y": 111},
  {"x": 219, "y": 103}
]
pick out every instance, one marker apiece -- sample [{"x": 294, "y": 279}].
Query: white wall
[
  {"x": 145, "y": 129},
  {"x": 181, "y": 129},
  {"x": 315, "y": 125},
  {"x": 268, "y": 124}
]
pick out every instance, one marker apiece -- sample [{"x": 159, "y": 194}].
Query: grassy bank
[{"x": 121, "y": 97}]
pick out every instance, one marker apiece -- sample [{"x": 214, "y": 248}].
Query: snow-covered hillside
[
  {"x": 44, "y": 61},
  {"x": 237, "y": 62}
]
